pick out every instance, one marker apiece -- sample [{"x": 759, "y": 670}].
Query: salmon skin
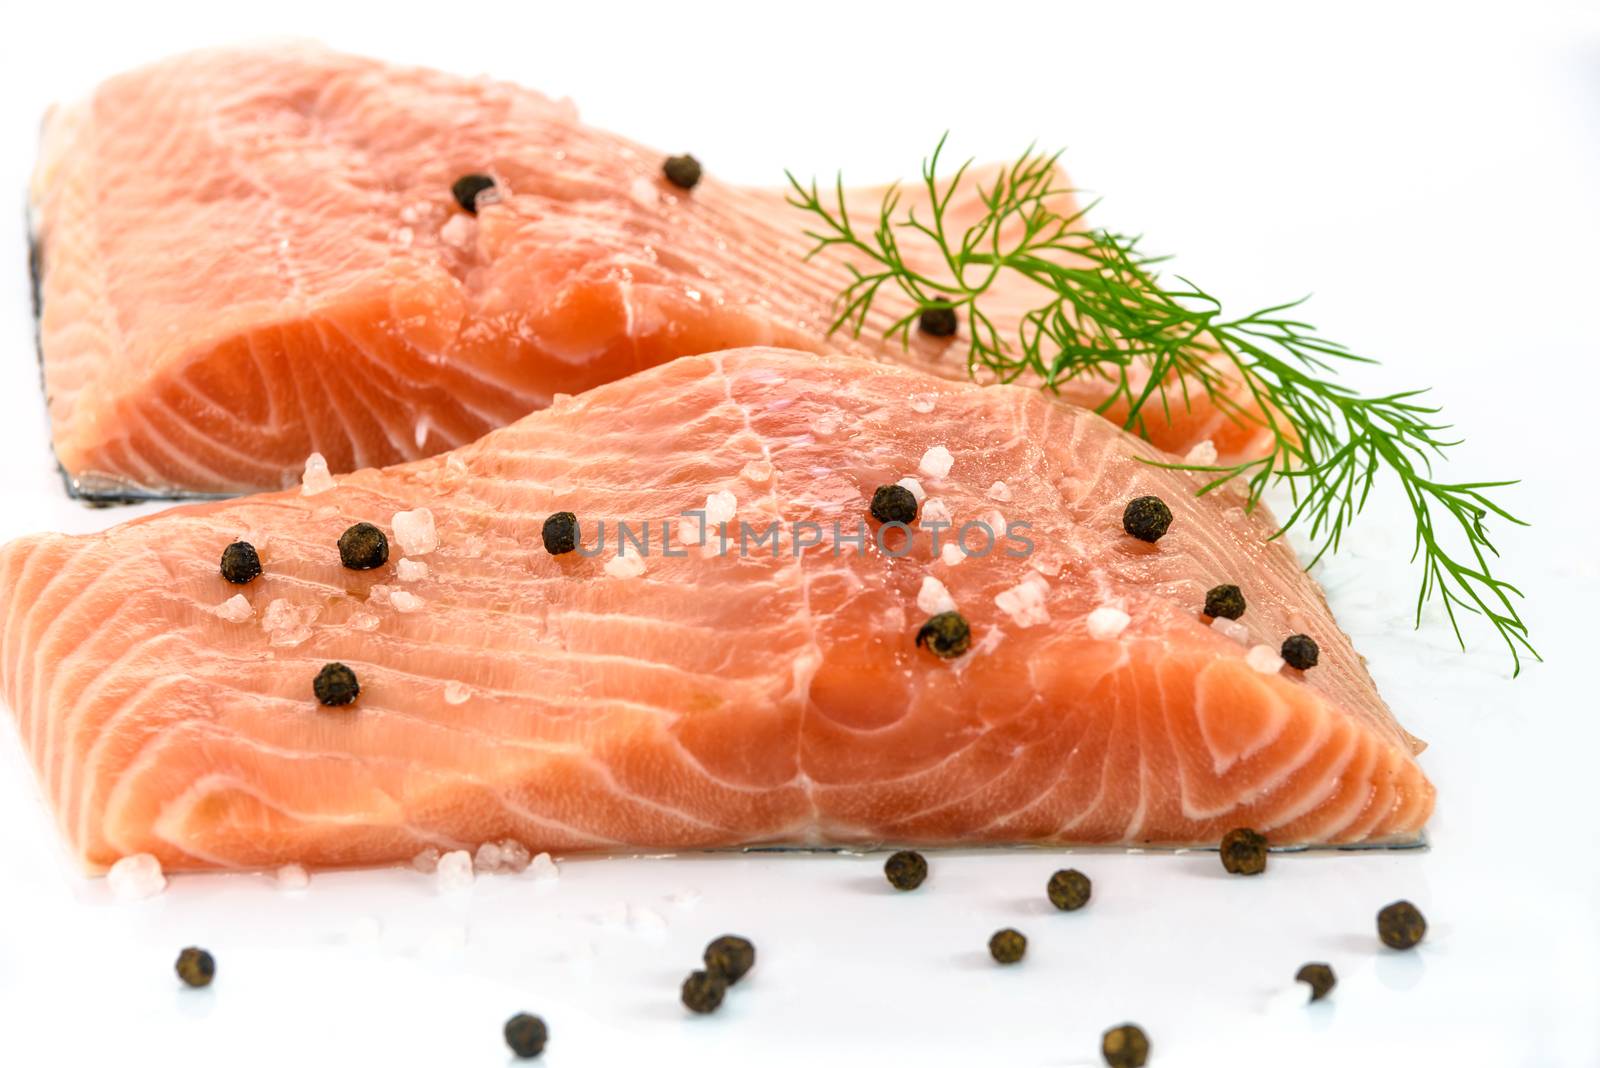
[
  {"x": 685, "y": 697},
  {"x": 247, "y": 256}
]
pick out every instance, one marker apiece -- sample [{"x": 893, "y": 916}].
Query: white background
[{"x": 1431, "y": 172}]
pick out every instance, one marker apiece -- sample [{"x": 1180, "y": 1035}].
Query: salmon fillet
[
  {"x": 245, "y": 256},
  {"x": 577, "y": 702}
]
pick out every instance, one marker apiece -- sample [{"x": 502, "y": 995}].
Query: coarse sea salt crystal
[
  {"x": 914, "y": 486},
  {"x": 293, "y": 877},
  {"x": 457, "y": 233},
  {"x": 757, "y": 471},
  {"x": 951, "y": 554},
  {"x": 1024, "y": 602},
  {"x": 937, "y": 462},
  {"x": 1202, "y": 455},
  {"x": 235, "y": 609},
  {"x": 288, "y": 624},
  {"x": 427, "y": 860},
  {"x": 315, "y": 479},
  {"x": 406, "y": 601},
  {"x": 544, "y": 869},
  {"x": 1264, "y": 659},
  {"x": 415, "y": 533},
  {"x": 625, "y": 567},
  {"x": 933, "y": 598},
  {"x": 514, "y": 856},
  {"x": 1106, "y": 623},
  {"x": 999, "y": 492},
  {"x": 922, "y": 403},
  {"x": 487, "y": 858},
  {"x": 720, "y": 507},
  {"x": 454, "y": 871},
  {"x": 934, "y": 510},
  {"x": 472, "y": 546},
  {"x": 1231, "y": 628},
  {"x": 456, "y": 693},
  {"x": 136, "y": 878},
  {"x": 408, "y": 570},
  {"x": 364, "y": 621}
]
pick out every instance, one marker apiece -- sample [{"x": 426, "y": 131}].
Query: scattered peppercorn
[
  {"x": 906, "y": 870},
  {"x": 196, "y": 967},
  {"x": 893, "y": 504},
  {"x": 946, "y": 635},
  {"x": 1125, "y": 1047},
  {"x": 1224, "y": 602},
  {"x": 703, "y": 991},
  {"x": 363, "y": 547},
  {"x": 466, "y": 189},
  {"x": 1068, "y": 890},
  {"x": 730, "y": 957},
  {"x": 1299, "y": 652},
  {"x": 1401, "y": 925},
  {"x": 335, "y": 685},
  {"x": 526, "y": 1034},
  {"x": 682, "y": 171},
  {"x": 1319, "y": 977},
  {"x": 938, "y": 322},
  {"x": 1244, "y": 852},
  {"x": 1007, "y": 946},
  {"x": 560, "y": 533},
  {"x": 1147, "y": 518},
  {"x": 240, "y": 564}
]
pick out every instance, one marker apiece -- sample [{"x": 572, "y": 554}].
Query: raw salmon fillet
[
  {"x": 245, "y": 256},
  {"x": 655, "y": 701}
]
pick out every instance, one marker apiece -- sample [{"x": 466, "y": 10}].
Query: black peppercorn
[
  {"x": 1244, "y": 851},
  {"x": 1068, "y": 890},
  {"x": 196, "y": 967},
  {"x": 893, "y": 504},
  {"x": 335, "y": 685},
  {"x": 682, "y": 171},
  {"x": 1319, "y": 977},
  {"x": 1125, "y": 1047},
  {"x": 363, "y": 547},
  {"x": 1401, "y": 925},
  {"x": 1224, "y": 602},
  {"x": 1007, "y": 946},
  {"x": 703, "y": 991},
  {"x": 466, "y": 189},
  {"x": 240, "y": 564},
  {"x": 938, "y": 322},
  {"x": 560, "y": 533},
  {"x": 1147, "y": 518},
  {"x": 946, "y": 635},
  {"x": 906, "y": 870},
  {"x": 526, "y": 1034},
  {"x": 730, "y": 957},
  {"x": 1299, "y": 652}
]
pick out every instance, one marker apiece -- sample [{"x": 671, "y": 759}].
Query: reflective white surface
[{"x": 1431, "y": 173}]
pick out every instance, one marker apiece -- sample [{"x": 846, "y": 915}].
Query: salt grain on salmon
[
  {"x": 936, "y": 513},
  {"x": 235, "y": 609},
  {"x": 933, "y": 598},
  {"x": 364, "y": 621},
  {"x": 406, "y": 601},
  {"x": 456, "y": 693},
  {"x": 1230, "y": 628},
  {"x": 625, "y": 567},
  {"x": 951, "y": 554},
  {"x": 288, "y": 624},
  {"x": 1264, "y": 658},
  {"x": 1202, "y": 455},
  {"x": 922, "y": 403},
  {"x": 915, "y": 487},
  {"x": 136, "y": 878},
  {"x": 426, "y": 861},
  {"x": 756, "y": 471},
  {"x": 1024, "y": 603},
  {"x": 543, "y": 869},
  {"x": 408, "y": 570},
  {"x": 454, "y": 871},
  {"x": 1106, "y": 622},
  {"x": 936, "y": 462},
  {"x": 414, "y": 532},
  {"x": 1000, "y": 492},
  {"x": 293, "y": 877},
  {"x": 316, "y": 479}
]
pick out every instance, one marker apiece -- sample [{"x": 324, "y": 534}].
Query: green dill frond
[{"x": 1104, "y": 312}]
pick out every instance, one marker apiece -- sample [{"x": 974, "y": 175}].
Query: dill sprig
[{"x": 1106, "y": 313}]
